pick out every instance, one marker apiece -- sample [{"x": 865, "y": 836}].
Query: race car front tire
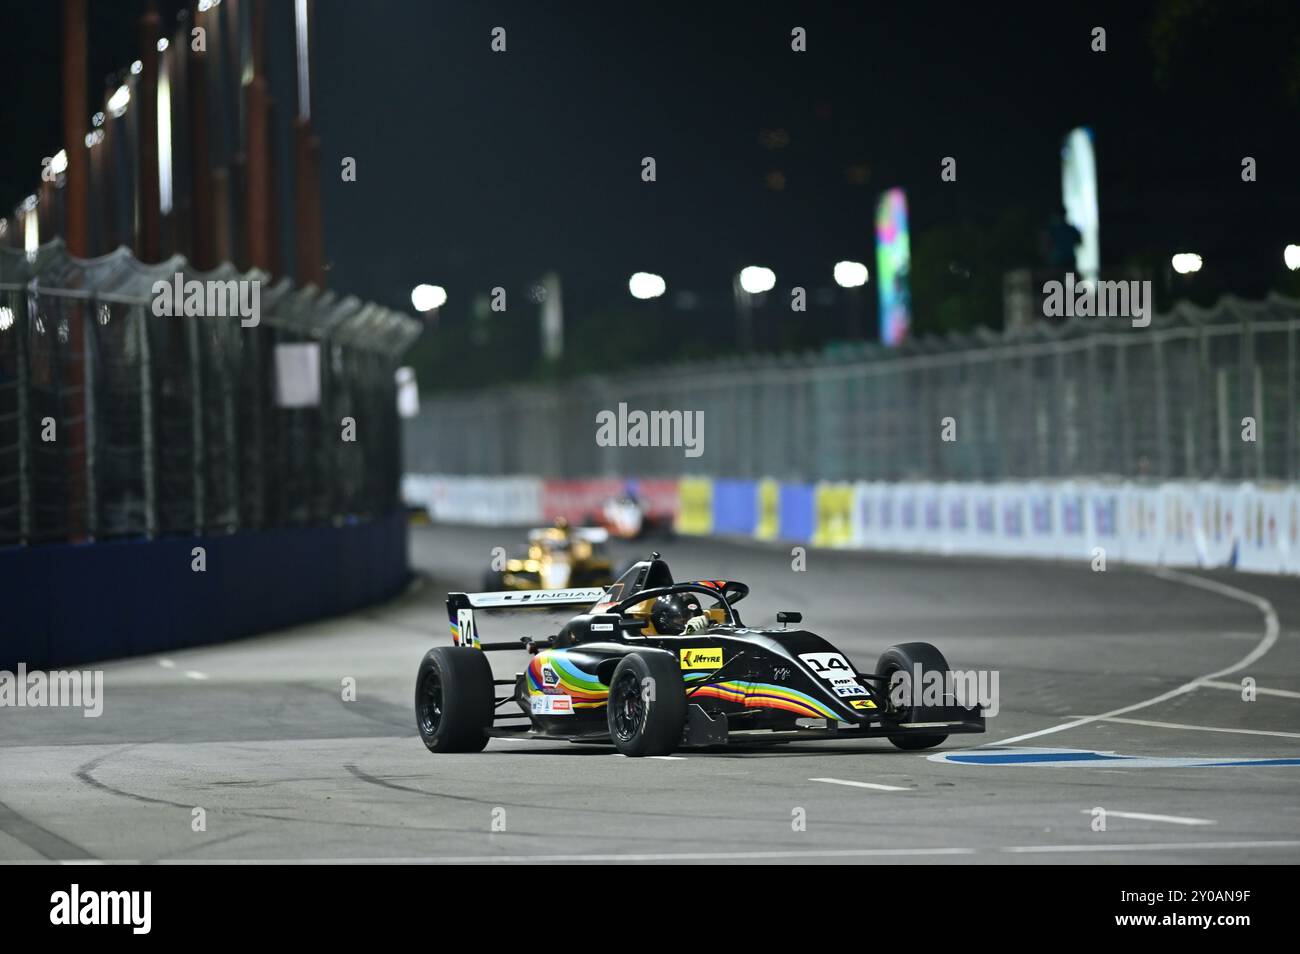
[
  {"x": 454, "y": 699},
  {"x": 647, "y": 704},
  {"x": 905, "y": 658}
]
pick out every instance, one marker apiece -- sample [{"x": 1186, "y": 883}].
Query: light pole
[
  {"x": 645, "y": 285},
  {"x": 428, "y": 298}
]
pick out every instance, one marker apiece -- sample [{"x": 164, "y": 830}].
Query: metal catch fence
[
  {"x": 118, "y": 422},
  {"x": 1092, "y": 397}
]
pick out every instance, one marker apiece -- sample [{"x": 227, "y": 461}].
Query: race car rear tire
[
  {"x": 905, "y": 657},
  {"x": 454, "y": 699},
  {"x": 647, "y": 704}
]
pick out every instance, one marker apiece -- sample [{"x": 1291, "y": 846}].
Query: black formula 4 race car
[{"x": 611, "y": 674}]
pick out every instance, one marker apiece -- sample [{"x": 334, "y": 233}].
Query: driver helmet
[{"x": 672, "y": 611}]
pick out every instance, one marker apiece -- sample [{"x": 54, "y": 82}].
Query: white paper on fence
[{"x": 297, "y": 375}]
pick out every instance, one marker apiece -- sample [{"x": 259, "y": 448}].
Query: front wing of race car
[{"x": 708, "y": 729}]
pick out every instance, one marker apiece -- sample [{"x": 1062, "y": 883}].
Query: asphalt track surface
[{"x": 257, "y": 735}]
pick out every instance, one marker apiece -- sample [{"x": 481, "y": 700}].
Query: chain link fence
[
  {"x": 115, "y": 422},
  {"x": 1094, "y": 396}
]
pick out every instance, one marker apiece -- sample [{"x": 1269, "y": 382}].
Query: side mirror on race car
[{"x": 787, "y": 616}]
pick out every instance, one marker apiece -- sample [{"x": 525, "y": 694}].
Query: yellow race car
[{"x": 555, "y": 558}]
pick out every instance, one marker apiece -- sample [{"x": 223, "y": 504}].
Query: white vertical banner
[
  {"x": 908, "y": 498},
  {"x": 1264, "y": 544},
  {"x": 1178, "y": 513},
  {"x": 864, "y": 515},
  {"x": 1040, "y": 519},
  {"x": 984, "y": 507},
  {"x": 1291, "y": 523},
  {"x": 1141, "y": 524},
  {"x": 888, "y": 534},
  {"x": 930, "y": 531},
  {"x": 297, "y": 375},
  {"x": 1103, "y": 521},
  {"x": 957, "y": 518},
  {"x": 1071, "y": 506},
  {"x": 1217, "y": 524}
]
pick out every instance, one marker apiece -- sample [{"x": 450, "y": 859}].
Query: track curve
[{"x": 254, "y": 738}]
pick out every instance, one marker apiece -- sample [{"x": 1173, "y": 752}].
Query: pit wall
[
  {"x": 65, "y": 604},
  {"x": 1178, "y": 524}
]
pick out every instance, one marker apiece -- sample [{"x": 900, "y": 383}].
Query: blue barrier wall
[
  {"x": 66, "y": 604},
  {"x": 797, "y": 512},
  {"x": 735, "y": 506}
]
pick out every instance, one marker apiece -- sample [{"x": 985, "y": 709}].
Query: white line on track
[
  {"x": 661, "y": 758},
  {"x": 1236, "y": 687},
  {"x": 1201, "y": 728},
  {"x": 195, "y": 674},
  {"x": 845, "y": 781},
  {"x": 1143, "y": 816},
  {"x": 740, "y": 855},
  {"x": 1158, "y": 846},
  {"x": 631, "y": 856},
  {"x": 1214, "y": 586}
]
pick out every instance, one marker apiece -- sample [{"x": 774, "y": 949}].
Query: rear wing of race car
[
  {"x": 461, "y": 607},
  {"x": 589, "y": 534}
]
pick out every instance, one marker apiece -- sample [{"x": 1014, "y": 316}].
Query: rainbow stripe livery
[
  {"x": 552, "y": 673},
  {"x": 762, "y": 695}
]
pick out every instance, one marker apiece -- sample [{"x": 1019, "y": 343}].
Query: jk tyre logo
[{"x": 710, "y": 658}]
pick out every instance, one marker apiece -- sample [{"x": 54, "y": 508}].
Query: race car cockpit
[{"x": 647, "y": 591}]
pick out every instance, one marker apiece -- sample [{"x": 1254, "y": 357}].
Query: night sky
[{"x": 478, "y": 169}]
